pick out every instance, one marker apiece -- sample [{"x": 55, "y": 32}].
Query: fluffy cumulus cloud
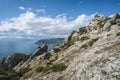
[
  {"x": 29, "y": 25},
  {"x": 21, "y": 8}
]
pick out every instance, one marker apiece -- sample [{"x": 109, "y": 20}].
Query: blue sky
[{"x": 16, "y": 16}]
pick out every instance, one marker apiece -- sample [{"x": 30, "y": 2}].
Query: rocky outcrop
[
  {"x": 9, "y": 62},
  {"x": 40, "y": 51},
  {"x": 34, "y": 59}
]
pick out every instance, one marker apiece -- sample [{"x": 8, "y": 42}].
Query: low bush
[
  {"x": 40, "y": 69},
  {"x": 58, "y": 67},
  {"x": 7, "y": 75},
  {"x": 47, "y": 55},
  {"x": 56, "y": 50},
  {"x": 70, "y": 43},
  {"x": 43, "y": 69},
  {"x": 54, "y": 68},
  {"x": 46, "y": 69}
]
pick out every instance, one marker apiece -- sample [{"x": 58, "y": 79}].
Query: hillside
[{"x": 90, "y": 53}]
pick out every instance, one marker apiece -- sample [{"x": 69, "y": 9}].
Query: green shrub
[
  {"x": 47, "y": 56},
  {"x": 82, "y": 30},
  {"x": 56, "y": 50},
  {"x": 58, "y": 67},
  {"x": 84, "y": 38},
  {"x": 43, "y": 69},
  {"x": 70, "y": 43},
  {"x": 7, "y": 75},
  {"x": 118, "y": 34},
  {"x": 23, "y": 70},
  {"x": 47, "y": 68},
  {"x": 40, "y": 69},
  {"x": 3, "y": 77}
]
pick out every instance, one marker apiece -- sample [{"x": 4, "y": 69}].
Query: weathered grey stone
[
  {"x": 107, "y": 26},
  {"x": 9, "y": 62}
]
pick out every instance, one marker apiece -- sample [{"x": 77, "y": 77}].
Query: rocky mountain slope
[{"x": 90, "y": 53}]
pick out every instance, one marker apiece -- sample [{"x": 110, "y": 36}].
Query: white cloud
[
  {"x": 41, "y": 11},
  {"x": 21, "y": 8},
  {"x": 29, "y": 25}
]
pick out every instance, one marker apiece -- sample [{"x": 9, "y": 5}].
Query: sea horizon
[{"x": 15, "y": 45}]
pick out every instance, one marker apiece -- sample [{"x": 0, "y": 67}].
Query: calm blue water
[{"x": 8, "y": 47}]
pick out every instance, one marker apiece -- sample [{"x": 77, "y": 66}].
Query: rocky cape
[{"x": 90, "y": 53}]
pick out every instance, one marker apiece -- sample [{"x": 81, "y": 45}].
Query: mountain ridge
[{"x": 91, "y": 52}]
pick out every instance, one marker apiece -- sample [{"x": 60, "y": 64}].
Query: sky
[{"x": 49, "y": 18}]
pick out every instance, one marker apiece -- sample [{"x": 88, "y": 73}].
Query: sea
[{"x": 11, "y": 46}]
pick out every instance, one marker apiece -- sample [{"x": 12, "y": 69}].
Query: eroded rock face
[
  {"x": 11, "y": 61},
  {"x": 40, "y": 51},
  {"x": 101, "y": 61}
]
